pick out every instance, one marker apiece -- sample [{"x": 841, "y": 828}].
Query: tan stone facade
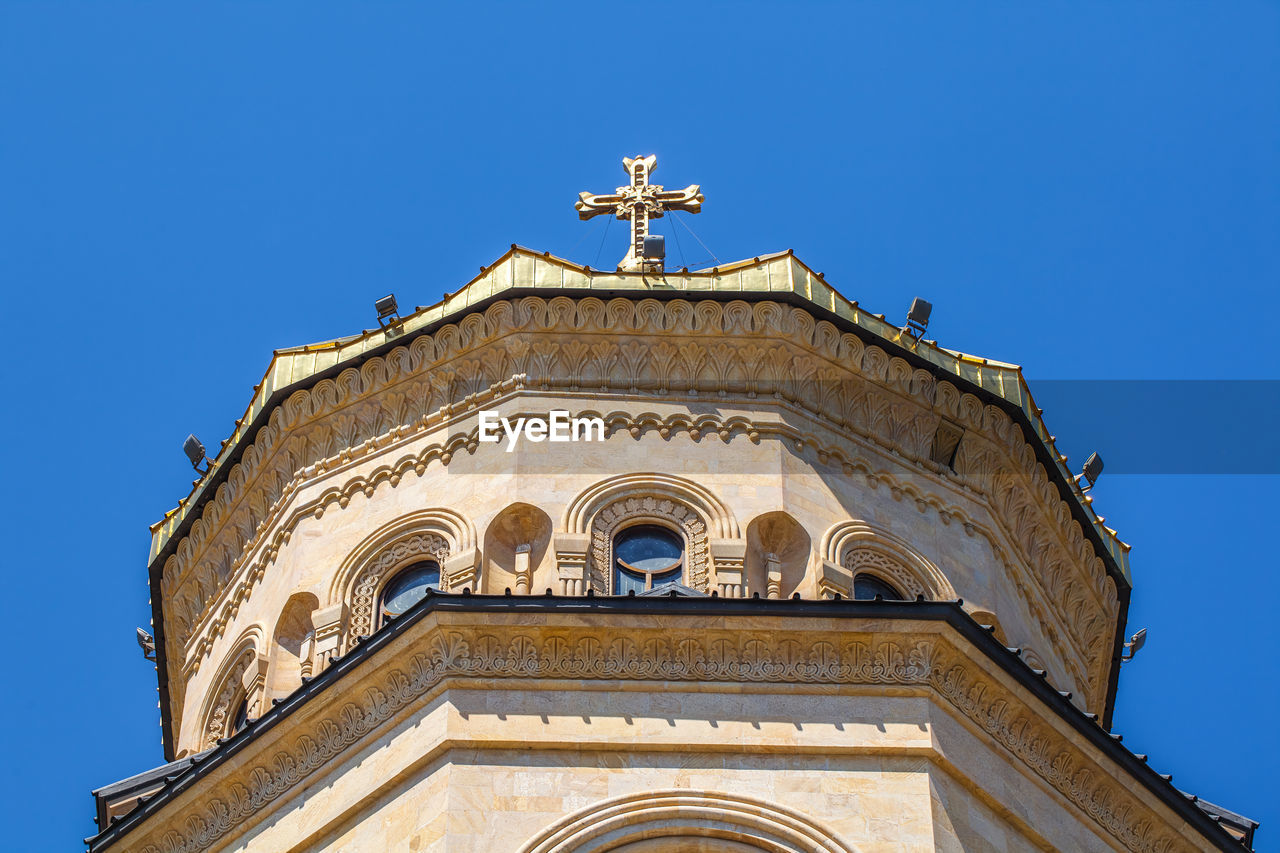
[
  {"x": 789, "y": 449},
  {"x": 571, "y": 729}
]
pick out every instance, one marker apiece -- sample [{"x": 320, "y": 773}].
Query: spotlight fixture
[
  {"x": 654, "y": 248},
  {"x": 1136, "y": 642},
  {"x": 918, "y": 318},
  {"x": 195, "y": 453},
  {"x": 1091, "y": 471},
  {"x": 148, "y": 644},
  {"x": 387, "y": 310}
]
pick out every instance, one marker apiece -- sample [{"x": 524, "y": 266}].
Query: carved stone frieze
[
  {"x": 837, "y": 655},
  {"x": 674, "y": 348},
  {"x": 676, "y": 425}
]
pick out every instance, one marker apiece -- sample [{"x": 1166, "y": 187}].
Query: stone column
[
  {"x": 328, "y": 632},
  {"x": 571, "y": 562},
  {"x": 728, "y": 557},
  {"x": 461, "y": 571},
  {"x": 523, "y": 573},
  {"x": 254, "y": 682},
  {"x": 834, "y": 579},
  {"x": 773, "y": 575}
]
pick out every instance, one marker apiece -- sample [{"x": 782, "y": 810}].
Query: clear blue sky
[{"x": 1091, "y": 190}]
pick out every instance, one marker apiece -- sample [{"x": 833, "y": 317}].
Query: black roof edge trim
[
  {"x": 950, "y": 612},
  {"x": 131, "y": 784},
  {"x": 1246, "y": 825},
  {"x": 1042, "y": 452}
]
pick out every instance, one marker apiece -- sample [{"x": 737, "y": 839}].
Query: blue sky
[{"x": 1091, "y": 190}]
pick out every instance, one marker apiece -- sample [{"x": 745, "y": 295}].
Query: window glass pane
[
  {"x": 648, "y": 548},
  {"x": 667, "y": 577},
  {"x": 410, "y": 586},
  {"x": 241, "y": 718},
  {"x": 646, "y": 555},
  {"x": 625, "y": 582},
  {"x": 867, "y": 587}
]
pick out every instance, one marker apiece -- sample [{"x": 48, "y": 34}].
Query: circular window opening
[
  {"x": 646, "y": 556},
  {"x": 409, "y": 587}
]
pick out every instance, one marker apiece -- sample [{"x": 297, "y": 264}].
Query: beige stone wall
[
  {"x": 822, "y": 734},
  {"x": 750, "y": 478},
  {"x": 785, "y": 430}
]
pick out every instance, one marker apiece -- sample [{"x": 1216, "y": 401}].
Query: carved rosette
[
  {"x": 419, "y": 546},
  {"x": 662, "y": 510}
]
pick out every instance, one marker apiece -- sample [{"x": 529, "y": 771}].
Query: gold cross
[{"x": 639, "y": 201}]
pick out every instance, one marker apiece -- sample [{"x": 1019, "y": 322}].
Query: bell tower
[{"x": 813, "y": 584}]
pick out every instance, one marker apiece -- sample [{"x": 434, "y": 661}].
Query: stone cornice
[
  {"x": 521, "y": 272},
  {"x": 674, "y": 349},
  {"x": 929, "y": 646},
  {"x": 948, "y": 501}
]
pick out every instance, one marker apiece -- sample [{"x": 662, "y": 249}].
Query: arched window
[
  {"x": 867, "y": 587},
  {"x": 645, "y": 556},
  {"x": 241, "y": 718},
  {"x": 408, "y": 587}
]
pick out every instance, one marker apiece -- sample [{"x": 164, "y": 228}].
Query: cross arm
[
  {"x": 688, "y": 199},
  {"x": 589, "y": 205}
]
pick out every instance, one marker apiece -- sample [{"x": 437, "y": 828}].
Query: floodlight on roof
[
  {"x": 918, "y": 318},
  {"x": 387, "y": 310},
  {"x": 148, "y": 644},
  {"x": 1091, "y": 471},
  {"x": 654, "y": 247},
  {"x": 1136, "y": 642},
  {"x": 195, "y": 452}
]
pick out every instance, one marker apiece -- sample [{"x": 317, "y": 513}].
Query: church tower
[{"x": 642, "y": 560}]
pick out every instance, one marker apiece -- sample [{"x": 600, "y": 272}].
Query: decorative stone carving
[
  {"x": 461, "y": 571},
  {"x": 778, "y": 554},
  {"x": 663, "y": 653},
  {"x": 758, "y": 352},
  {"x": 728, "y": 559},
  {"x": 516, "y": 541},
  {"x": 364, "y": 598},
  {"x": 571, "y": 562},
  {"x": 633, "y": 510},
  {"x": 855, "y": 546},
  {"x": 329, "y": 622},
  {"x": 858, "y": 560},
  {"x": 247, "y": 671}
]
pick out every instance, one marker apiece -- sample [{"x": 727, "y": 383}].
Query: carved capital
[
  {"x": 328, "y": 631},
  {"x": 834, "y": 579},
  {"x": 571, "y": 562},
  {"x": 728, "y": 557},
  {"x": 461, "y": 571}
]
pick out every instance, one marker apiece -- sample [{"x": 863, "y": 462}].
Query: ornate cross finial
[{"x": 639, "y": 201}]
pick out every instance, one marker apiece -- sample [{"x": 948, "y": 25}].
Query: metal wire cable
[
  {"x": 586, "y": 232},
  {"x": 696, "y": 237},
  {"x": 679, "y": 248},
  {"x": 596, "y": 262}
]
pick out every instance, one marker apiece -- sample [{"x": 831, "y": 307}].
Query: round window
[
  {"x": 409, "y": 587},
  {"x": 645, "y": 556}
]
